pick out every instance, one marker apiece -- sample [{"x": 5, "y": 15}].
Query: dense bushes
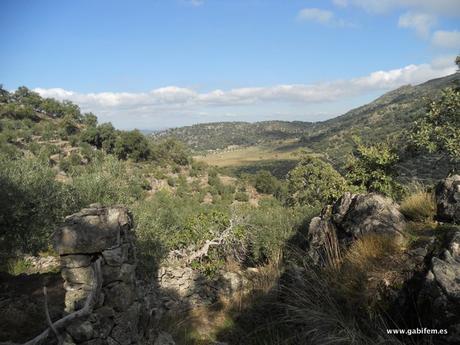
[
  {"x": 33, "y": 202},
  {"x": 314, "y": 182},
  {"x": 438, "y": 131},
  {"x": 31, "y": 205},
  {"x": 373, "y": 168},
  {"x": 265, "y": 182}
]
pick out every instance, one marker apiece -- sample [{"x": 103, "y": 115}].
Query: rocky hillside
[
  {"x": 387, "y": 115},
  {"x": 219, "y": 135}
]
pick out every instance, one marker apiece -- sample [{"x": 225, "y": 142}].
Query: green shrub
[
  {"x": 372, "y": 167},
  {"x": 266, "y": 229},
  {"x": 108, "y": 181},
  {"x": 68, "y": 163},
  {"x": 132, "y": 145},
  {"x": 241, "y": 196},
  {"x": 438, "y": 130},
  {"x": 167, "y": 222},
  {"x": 32, "y": 204},
  {"x": 170, "y": 151},
  {"x": 314, "y": 182},
  {"x": 18, "y": 266},
  {"x": 265, "y": 182},
  {"x": 172, "y": 181}
]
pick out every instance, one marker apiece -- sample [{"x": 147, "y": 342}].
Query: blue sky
[{"x": 155, "y": 64}]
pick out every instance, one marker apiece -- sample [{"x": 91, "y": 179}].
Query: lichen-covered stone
[
  {"x": 101, "y": 234},
  {"x": 447, "y": 195},
  {"x": 350, "y": 217},
  {"x": 439, "y": 298},
  {"x": 92, "y": 230}
]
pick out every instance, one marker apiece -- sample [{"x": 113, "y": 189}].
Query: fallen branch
[
  {"x": 91, "y": 300},
  {"x": 48, "y": 318},
  {"x": 203, "y": 251}
]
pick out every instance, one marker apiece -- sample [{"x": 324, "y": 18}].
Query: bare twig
[
  {"x": 203, "y": 251},
  {"x": 91, "y": 300},
  {"x": 48, "y": 318}
]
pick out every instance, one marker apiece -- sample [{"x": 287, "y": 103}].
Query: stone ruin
[
  {"x": 99, "y": 241},
  {"x": 104, "y": 302}
]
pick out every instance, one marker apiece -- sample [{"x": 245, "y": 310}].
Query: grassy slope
[{"x": 275, "y": 141}]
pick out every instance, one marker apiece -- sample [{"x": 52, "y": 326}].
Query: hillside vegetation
[
  {"x": 327, "y": 254},
  {"x": 386, "y": 118}
]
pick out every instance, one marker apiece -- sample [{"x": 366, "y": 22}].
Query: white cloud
[
  {"x": 196, "y": 3},
  {"x": 316, "y": 15},
  {"x": 323, "y": 17},
  {"x": 421, "y": 22},
  {"x": 341, "y": 3},
  {"x": 183, "y": 101},
  {"x": 441, "y": 7},
  {"x": 446, "y": 39}
]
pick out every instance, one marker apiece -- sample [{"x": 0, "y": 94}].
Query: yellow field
[{"x": 285, "y": 150}]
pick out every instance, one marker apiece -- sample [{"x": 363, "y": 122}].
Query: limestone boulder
[
  {"x": 368, "y": 213},
  {"x": 92, "y": 230},
  {"x": 439, "y": 298},
  {"x": 447, "y": 196},
  {"x": 350, "y": 217},
  {"x": 164, "y": 338}
]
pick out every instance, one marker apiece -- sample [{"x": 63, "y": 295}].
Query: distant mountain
[
  {"x": 388, "y": 114},
  {"x": 219, "y": 135}
]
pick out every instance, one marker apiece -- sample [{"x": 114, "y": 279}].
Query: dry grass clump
[
  {"x": 316, "y": 314},
  {"x": 419, "y": 206},
  {"x": 368, "y": 251}
]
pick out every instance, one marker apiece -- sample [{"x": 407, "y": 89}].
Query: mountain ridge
[{"x": 386, "y": 115}]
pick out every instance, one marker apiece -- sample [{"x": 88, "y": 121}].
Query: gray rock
[
  {"x": 92, "y": 230},
  {"x": 81, "y": 275},
  {"x": 75, "y": 299},
  {"x": 340, "y": 208},
  {"x": 447, "y": 196},
  {"x": 75, "y": 261},
  {"x": 119, "y": 296},
  {"x": 124, "y": 273},
  {"x": 439, "y": 298},
  {"x": 164, "y": 338},
  {"x": 320, "y": 233},
  {"x": 80, "y": 331},
  {"x": 371, "y": 213},
  {"x": 350, "y": 217}
]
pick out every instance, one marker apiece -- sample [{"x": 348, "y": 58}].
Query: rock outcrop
[
  {"x": 447, "y": 195},
  {"x": 439, "y": 298},
  {"x": 101, "y": 234},
  {"x": 351, "y": 217},
  {"x": 183, "y": 287}
]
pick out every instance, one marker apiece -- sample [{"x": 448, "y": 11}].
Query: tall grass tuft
[
  {"x": 317, "y": 316},
  {"x": 419, "y": 205}
]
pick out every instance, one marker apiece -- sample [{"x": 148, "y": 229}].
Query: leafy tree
[
  {"x": 68, "y": 126},
  {"x": 372, "y": 167},
  {"x": 27, "y": 97},
  {"x": 72, "y": 110},
  {"x": 102, "y": 136},
  {"x": 170, "y": 150},
  {"x": 17, "y": 111},
  {"x": 32, "y": 204},
  {"x": 89, "y": 119},
  {"x": 439, "y": 130},
  {"x": 52, "y": 107},
  {"x": 133, "y": 145},
  {"x": 265, "y": 182},
  {"x": 4, "y": 95},
  {"x": 314, "y": 182}
]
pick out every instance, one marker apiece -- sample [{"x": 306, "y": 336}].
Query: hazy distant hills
[
  {"x": 387, "y": 115},
  {"x": 219, "y": 135}
]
